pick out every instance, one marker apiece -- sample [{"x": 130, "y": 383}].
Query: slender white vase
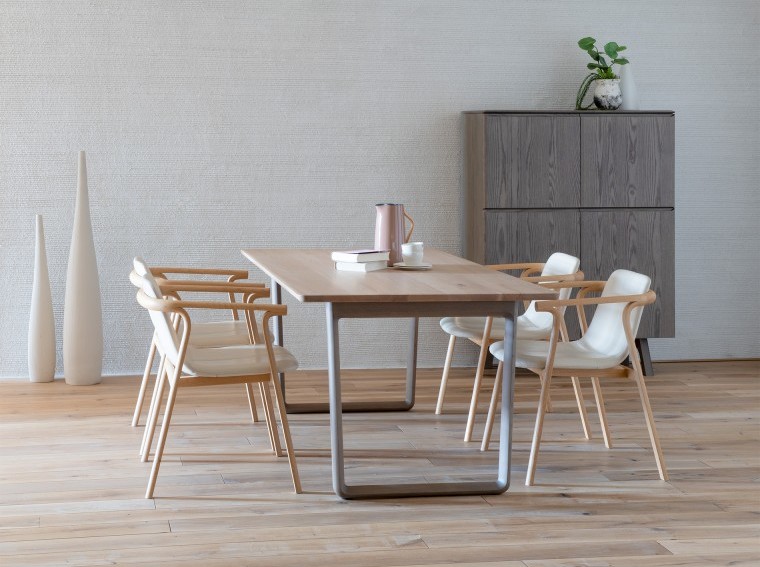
[
  {"x": 628, "y": 88},
  {"x": 41, "y": 339},
  {"x": 82, "y": 316}
]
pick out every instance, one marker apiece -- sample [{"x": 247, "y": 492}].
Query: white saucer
[{"x": 403, "y": 266}]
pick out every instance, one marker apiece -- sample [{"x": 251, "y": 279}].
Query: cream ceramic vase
[
  {"x": 607, "y": 94},
  {"x": 82, "y": 317},
  {"x": 628, "y": 88},
  {"x": 41, "y": 338}
]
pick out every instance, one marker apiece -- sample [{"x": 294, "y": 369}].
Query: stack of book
[{"x": 361, "y": 260}]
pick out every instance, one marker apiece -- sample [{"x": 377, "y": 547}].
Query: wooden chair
[
  {"x": 188, "y": 365},
  {"x": 599, "y": 353},
  {"x": 212, "y": 333},
  {"x": 205, "y": 334},
  {"x": 532, "y": 324}
]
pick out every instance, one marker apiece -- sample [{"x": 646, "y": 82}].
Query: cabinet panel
[
  {"x": 638, "y": 240},
  {"x": 530, "y": 236},
  {"x": 532, "y": 161},
  {"x": 627, "y": 160}
]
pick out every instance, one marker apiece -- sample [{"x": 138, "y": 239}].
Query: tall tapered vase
[
  {"x": 41, "y": 339},
  {"x": 628, "y": 88},
  {"x": 82, "y": 316}
]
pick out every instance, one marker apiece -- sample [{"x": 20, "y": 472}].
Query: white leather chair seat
[
  {"x": 472, "y": 327},
  {"x": 575, "y": 354},
  {"x": 236, "y": 360}
]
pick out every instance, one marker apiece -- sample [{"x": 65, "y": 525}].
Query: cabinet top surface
[{"x": 590, "y": 112}]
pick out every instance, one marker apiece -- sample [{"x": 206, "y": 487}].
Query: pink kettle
[{"x": 389, "y": 229}]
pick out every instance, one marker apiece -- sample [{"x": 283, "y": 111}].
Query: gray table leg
[
  {"x": 369, "y": 406},
  {"x": 278, "y": 335},
  {"x": 507, "y": 402},
  {"x": 462, "y": 488}
]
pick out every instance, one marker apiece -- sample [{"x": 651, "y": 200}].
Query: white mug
[{"x": 411, "y": 252}]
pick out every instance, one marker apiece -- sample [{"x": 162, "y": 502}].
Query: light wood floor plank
[{"x": 71, "y": 484}]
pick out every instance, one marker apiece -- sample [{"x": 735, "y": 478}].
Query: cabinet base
[{"x": 646, "y": 360}]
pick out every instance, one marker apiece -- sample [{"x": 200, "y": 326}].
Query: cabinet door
[
  {"x": 532, "y": 161},
  {"x": 627, "y": 160},
  {"x": 641, "y": 240},
  {"x": 530, "y": 236}
]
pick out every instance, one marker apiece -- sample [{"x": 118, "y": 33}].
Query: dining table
[{"x": 452, "y": 286}]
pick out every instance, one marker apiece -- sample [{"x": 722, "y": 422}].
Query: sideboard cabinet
[{"x": 598, "y": 185}]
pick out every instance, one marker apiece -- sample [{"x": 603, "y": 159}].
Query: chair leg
[
  {"x": 602, "y": 412},
  {"x": 478, "y": 379},
  {"x": 538, "y": 430},
  {"x": 274, "y": 436},
  {"x": 252, "y": 402},
  {"x": 492, "y": 408},
  {"x": 162, "y": 439},
  {"x": 445, "y": 375},
  {"x": 286, "y": 434},
  {"x": 548, "y": 401},
  {"x": 653, "y": 437},
  {"x": 154, "y": 403},
  {"x": 144, "y": 383},
  {"x": 267, "y": 417},
  {"x": 150, "y": 426},
  {"x": 581, "y": 407}
]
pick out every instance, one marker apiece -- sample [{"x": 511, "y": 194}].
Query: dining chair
[
  {"x": 211, "y": 333},
  {"x": 532, "y": 324},
  {"x": 190, "y": 365},
  {"x": 205, "y": 334},
  {"x": 599, "y": 353}
]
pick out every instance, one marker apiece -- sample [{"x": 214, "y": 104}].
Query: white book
[
  {"x": 361, "y": 266},
  {"x": 360, "y": 256}
]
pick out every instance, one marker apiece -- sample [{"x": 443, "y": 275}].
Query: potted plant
[{"x": 607, "y": 95}]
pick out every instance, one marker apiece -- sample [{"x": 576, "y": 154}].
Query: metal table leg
[
  {"x": 358, "y": 491},
  {"x": 369, "y": 406}
]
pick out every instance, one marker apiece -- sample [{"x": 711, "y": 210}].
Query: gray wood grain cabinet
[{"x": 598, "y": 185}]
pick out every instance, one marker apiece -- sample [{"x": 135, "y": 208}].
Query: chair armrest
[
  {"x": 136, "y": 280},
  {"x": 585, "y": 285},
  {"x": 526, "y": 267},
  {"x": 237, "y": 274},
  {"x": 174, "y": 286},
  {"x": 554, "y": 279},
  {"x": 552, "y": 304},
  {"x": 173, "y": 305}
]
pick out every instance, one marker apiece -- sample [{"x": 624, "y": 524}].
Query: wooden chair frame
[
  {"x": 161, "y": 272},
  {"x": 170, "y": 290},
  {"x": 174, "y": 376},
  {"x": 582, "y": 300}
]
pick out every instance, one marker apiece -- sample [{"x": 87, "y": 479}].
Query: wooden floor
[{"x": 71, "y": 485}]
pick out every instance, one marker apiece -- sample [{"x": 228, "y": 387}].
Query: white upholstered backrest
[
  {"x": 168, "y": 341},
  {"x": 605, "y": 334},
  {"x": 558, "y": 264}
]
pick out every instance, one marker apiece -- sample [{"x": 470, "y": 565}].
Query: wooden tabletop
[{"x": 310, "y": 276}]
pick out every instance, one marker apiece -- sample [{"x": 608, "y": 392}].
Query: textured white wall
[{"x": 216, "y": 125}]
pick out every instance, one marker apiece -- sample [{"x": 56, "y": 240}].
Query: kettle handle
[{"x": 411, "y": 221}]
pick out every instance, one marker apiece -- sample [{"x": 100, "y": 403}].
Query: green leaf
[
  {"x": 621, "y": 61},
  {"x": 586, "y": 43},
  {"x": 611, "y": 49},
  {"x": 593, "y": 54},
  {"x": 592, "y": 66},
  {"x": 621, "y": 48},
  {"x": 602, "y": 63}
]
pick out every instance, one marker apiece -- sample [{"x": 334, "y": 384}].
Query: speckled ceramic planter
[{"x": 607, "y": 95}]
